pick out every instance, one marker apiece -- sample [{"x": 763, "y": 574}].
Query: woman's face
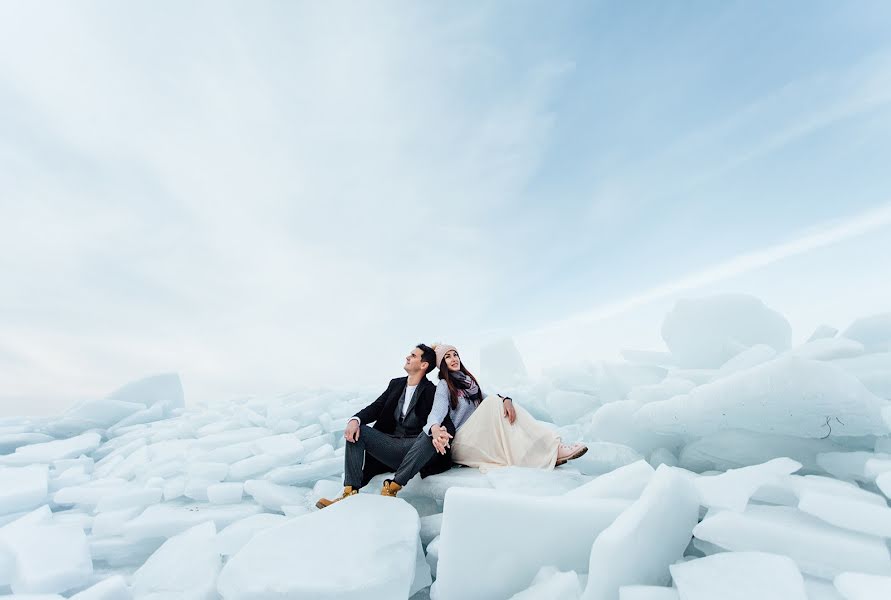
[{"x": 452, "y": 361}]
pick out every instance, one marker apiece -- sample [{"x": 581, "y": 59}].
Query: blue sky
[{"x": 263, "y": 196}]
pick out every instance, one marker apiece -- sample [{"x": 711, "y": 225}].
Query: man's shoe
[
  {"x": 347, "y": 492},
  {"x": 568, "y": 452},
  {"x": 391, "y": 488}
]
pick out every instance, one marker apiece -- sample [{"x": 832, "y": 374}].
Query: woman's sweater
[{"x": 442, "y": 407}]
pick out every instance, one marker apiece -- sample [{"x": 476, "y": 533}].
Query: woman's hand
[
  {"x": 510, "y": 413},
  {"x": 440, "y": 437}
]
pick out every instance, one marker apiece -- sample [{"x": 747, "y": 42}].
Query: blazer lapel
[{"x": 415, "y": 396}]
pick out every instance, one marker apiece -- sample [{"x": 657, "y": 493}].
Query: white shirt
[{"x": 409, "y": 393}]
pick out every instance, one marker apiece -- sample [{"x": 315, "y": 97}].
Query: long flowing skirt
[{"x": 487, "y": 439}]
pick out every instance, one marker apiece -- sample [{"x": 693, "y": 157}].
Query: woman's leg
[{"x": 488, "y": 439}]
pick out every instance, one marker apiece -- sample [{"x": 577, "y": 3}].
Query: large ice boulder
[
  {"x": 617, "y": 422},
  {"x": 873, "y": 371},
  {"x": 22, "y": 488},
  {"x": 500, "y": 541},
  {"x": 707, "y": 332},
  {"x": 628, "y": 481},
  {"x": 552, "y": 583},
  {"x": 640, "y": 545},
  {"x": 501, "y": 363},
  {"x": 184, "y": 567},
  {"x": 111, "y": 588},
  {"x": 848, "y": 513},
  {"x": 862, "y": 586},
  {"x": 231, "y": 539},
  {"x": 567, "y": 407},
  {"x": 786, "y": 396},
  {"x": 48, "y": 557},
  {"x": 101, "y": 413},
  {"x": 366, "y": 545},
  {"x": 165, "y": 389},
  {"x": 731, "y": 490},
  {"x": 818, "y": 548},
  {"x": 829, "y": 349},
  {"x": 873, "y": 332},
  {"x": 47, "y": 452},
  {"x": 739, "y": 576},
  {"x": 732, "y": 449}
]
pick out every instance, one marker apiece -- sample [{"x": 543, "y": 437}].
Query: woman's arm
[{"x": 440, "y": 406}]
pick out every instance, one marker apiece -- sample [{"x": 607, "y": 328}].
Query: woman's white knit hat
[{"x": 441, "y": 350}]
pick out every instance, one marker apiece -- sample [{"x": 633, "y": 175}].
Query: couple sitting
[{"x": 419, "y": 427}]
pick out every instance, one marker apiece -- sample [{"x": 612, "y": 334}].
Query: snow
[
  {"x": 739, "y": 576},
  {"x": 478, "y": 525},
  {"x": 639, "y": 546},
  {"x": 379, "y": 559},
  {"x": 862, "y": 586},
  {"x": 168, "y": 571},
  {"x": 707, "y": 332}
]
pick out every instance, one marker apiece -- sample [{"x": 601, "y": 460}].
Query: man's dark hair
[{"x": 428, "y": 356}]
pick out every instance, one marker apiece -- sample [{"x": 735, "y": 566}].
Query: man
[{"x": 399, "y": 440}]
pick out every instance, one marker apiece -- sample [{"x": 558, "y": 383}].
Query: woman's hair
[{"x": 453, "y": 389}]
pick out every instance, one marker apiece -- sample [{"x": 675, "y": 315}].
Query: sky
[{"x": 267, "y": 196}]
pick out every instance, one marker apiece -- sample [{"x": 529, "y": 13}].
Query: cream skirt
[{"x": 487, "y": 439}]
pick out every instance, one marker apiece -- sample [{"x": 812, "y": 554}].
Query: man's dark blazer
[{"x": 382, "y": 412}]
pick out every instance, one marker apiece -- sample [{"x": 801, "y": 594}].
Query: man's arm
[{"x": 370, "y": 413}]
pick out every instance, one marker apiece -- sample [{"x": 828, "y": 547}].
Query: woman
[{"x": 490, "y": 430}]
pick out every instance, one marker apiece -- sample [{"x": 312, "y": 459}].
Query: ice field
[{"x": 733, "y": 465}]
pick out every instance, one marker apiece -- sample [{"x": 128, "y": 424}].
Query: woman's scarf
[{"x": 467, "y": 386}]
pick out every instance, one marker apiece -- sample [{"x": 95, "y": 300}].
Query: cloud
[
  {"x": 257, "y": 199},
  {"x": 820, "y": 237}
]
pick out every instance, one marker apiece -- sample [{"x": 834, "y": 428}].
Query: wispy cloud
[{"x": 820, "y": 237}]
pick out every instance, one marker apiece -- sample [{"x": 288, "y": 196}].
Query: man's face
[{"x": 414, "y": 363}]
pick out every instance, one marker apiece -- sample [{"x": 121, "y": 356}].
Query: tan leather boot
[
  {"x": 391, "y": 488},
  {"x": 347, "y": 492}
]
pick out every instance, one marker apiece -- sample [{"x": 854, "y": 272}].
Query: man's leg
[
  {"x": 386, "y": 448},
  {"x": 419, "y": 454}
]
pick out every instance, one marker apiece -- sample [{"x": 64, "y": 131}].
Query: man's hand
[
  {"x": 510, "y": 413},
  {"x": 351, "y": 433},
  {"x": 440, "y": 437}
]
